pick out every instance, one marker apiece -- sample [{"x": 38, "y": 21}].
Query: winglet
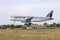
[{"x": 50, "y": 14}]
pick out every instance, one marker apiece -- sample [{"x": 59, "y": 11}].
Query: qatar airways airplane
[{"x": 29, "y": 19}]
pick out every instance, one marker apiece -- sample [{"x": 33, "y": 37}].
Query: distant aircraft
[{"x": 29, "y": 19}]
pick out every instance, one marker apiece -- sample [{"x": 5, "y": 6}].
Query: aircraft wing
[{"x": 29, "y": 19}]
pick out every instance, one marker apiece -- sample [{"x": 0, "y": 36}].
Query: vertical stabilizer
[{"x": 50, "y": 14}]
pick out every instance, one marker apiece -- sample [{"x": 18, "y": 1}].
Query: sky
[{"x": 28, "y": 8}]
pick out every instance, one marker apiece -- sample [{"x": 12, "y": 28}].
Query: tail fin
[{"x": 50, "y": 14}]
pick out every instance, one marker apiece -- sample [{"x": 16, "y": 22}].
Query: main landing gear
[{"x": 28, "y": 24}]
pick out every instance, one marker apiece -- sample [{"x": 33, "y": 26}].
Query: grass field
[{"x": 49, "y": 34}]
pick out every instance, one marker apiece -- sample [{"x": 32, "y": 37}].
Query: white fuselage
[{"x": 23, "y": 18}]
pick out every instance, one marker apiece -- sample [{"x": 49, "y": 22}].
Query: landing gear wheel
[{"x": 30, "y": 23}]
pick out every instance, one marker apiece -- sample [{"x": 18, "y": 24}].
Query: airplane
[{"x": 29, "y": 19}]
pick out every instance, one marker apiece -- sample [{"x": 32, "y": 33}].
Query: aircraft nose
[{"x": 10, "y": 18}]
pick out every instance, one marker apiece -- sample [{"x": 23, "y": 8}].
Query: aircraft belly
[{"x": 39, "y": 20}]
